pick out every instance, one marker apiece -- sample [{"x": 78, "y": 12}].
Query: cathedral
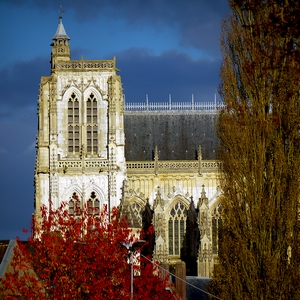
[{"x": 156, "y": 162}]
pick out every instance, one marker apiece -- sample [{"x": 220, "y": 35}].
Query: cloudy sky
[{"x": 162, "y": 47}]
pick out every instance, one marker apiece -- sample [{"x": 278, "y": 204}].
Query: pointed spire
[
  {"x": 203, "y": 193},
  {"x": 158, "y": 200},
  {"x": 60, "y": 32},
  {"x": 203, "y": 196},
  {"x": 60, "y": 46}
]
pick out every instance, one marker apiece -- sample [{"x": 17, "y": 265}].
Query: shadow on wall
[{"x": 198, "y": 288}]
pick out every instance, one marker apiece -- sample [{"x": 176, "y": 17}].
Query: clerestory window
[{"x": 177, "y": 228}]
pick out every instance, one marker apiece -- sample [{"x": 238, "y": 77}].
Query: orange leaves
[{"x": 259, "y": 132}]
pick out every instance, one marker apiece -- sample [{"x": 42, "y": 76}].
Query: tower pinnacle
[
  {"x": 60, "y": 45},
  {"x": 60, "y": 32}
]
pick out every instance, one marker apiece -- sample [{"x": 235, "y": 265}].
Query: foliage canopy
[
  {"x": 79, "y": 257},
  {"x": 260, "y": 148}
]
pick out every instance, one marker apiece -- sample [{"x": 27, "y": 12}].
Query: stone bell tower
[{"x": 80, "y": 142}]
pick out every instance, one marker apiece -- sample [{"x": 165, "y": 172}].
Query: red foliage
[{"x": 78, "y": 257}]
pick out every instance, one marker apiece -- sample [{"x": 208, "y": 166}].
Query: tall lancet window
[
  {"x": 92, "y": 126},
  {"x": 73, "y": 124},
  {"x": 177, "y": 228}
]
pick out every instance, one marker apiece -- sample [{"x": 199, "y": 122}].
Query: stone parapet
[
  {"x": 173, "y": 166},
  {"x": 65, "y": 165},
  {"x": 85, "y": 65}
]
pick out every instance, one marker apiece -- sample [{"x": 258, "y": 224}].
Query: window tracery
[
  {"x": 73, "y": 124},
  {"x": 93, "y": 204},
  {"x": 77, "y": 138},
  {"x": 137, "y": 212},
  {"x": 74, "y": 204},
  {"x": 177, "y": 228},
  {"x": 92, "y": 121}
]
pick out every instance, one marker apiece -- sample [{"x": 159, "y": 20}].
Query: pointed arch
[
  {"x": 70, "y": 190},
  {"x": 71, "y": 90},
  {"x": 92, "y": 119},
  {"x": 84, "y": 112},
  {"x": 132, "y": 208},
  {"x": 176, "y": 214},
  {"x": 74, "y": 120},
  {"x": 182, "y": 199},
  {"x": 93, "y": 204},
  {"x": 136, "y": 208},
  {"x": 74, "y": 204},
  {"x": 100, "y": 195},
  {"x": 135, "y": 199},
  {"x": 92, "y": 90},
  {"x": 92, "y": 103}
]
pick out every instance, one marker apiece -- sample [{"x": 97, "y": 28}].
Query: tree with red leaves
[{"x": 79, "y": 256}]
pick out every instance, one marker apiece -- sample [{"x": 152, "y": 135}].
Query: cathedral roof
[
  {"x": 60, "y": 32},
  {"x": 177, "y": 135}
]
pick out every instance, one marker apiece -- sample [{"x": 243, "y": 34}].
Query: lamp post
[{"x": 131, "y": 249}]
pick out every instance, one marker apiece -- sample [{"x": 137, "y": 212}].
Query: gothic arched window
[
  {"x": 93, "y": 204},
  {"x": 74, "y": 204},
  {"x": 177, "y": 228},
  {"x": 137, "y": 213},
  {"x": 92, "y": 124},
  {"x": 216, "y": 223},
  {"x": 73, "y": 124}
]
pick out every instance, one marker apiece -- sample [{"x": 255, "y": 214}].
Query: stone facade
[
  {"x": 169, "y": 187},
  {"x": 80, "y": 141},
  {"x": 169, "y": 177}
]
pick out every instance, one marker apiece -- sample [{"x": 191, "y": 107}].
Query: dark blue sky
[{"x": 162, "y": 47}]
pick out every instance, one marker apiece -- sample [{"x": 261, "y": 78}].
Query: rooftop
[{"x": 60, "y": 32}]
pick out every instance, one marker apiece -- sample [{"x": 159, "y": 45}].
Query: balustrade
[
  {"x": 173, "y": 166},
  {"x": 66, "y": 164},
  {"x": 158, "y": 106},
  {"x": 86, "y": 64}
]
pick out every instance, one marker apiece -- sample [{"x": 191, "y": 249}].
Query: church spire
[
  {"x": 60, "y": 45},
  {"x": 60, "y": 32}
]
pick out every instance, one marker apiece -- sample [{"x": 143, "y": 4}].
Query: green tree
[
  {"x": 79, "y": 256},
  {"x": 259, "y": 133}
]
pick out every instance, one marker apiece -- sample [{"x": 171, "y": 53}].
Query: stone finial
[
  {"x": 203, "y": 196},
  {"x": 156, "y": 153},
  {"x": 199, "y": 152},
  {"x": 199, "y": 159},
  {"x": 158, "y": 200}
]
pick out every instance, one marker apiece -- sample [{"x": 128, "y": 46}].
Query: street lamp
[{"x": 131, "y": 249}]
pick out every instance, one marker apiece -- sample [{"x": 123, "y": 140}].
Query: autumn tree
[
  {"x": 79, "y": 256},
  {"x": 260, "y": 147}
]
